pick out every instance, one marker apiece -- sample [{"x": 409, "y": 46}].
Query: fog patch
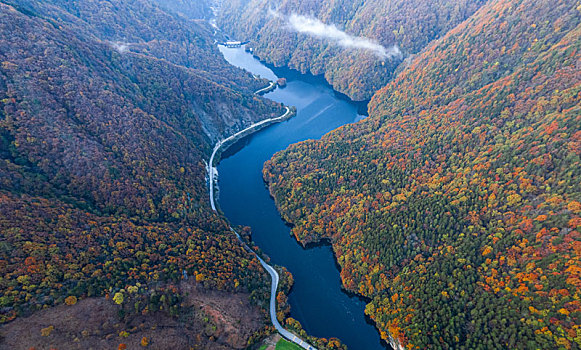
[
  {"x": 120, "y": 46},
  {"x": 314, "y": 27}
]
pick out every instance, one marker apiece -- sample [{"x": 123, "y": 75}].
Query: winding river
[{"x": 317, "y": 300}]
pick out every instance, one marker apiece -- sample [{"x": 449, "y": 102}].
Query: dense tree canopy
[
  {"x": 108, "y": 110},
  {"x": 411, "y": 25},
  {"x": 456, "y": 206}
]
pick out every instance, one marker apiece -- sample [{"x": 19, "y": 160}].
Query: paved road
[
  {"x": 273, "y": 274},
  {"x": 270, "y": 86},
  {"x": 212, "y": 171},
  {"x": 288, "y": 335}
]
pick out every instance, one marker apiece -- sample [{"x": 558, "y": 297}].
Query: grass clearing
[{"x": 285, "y": 345}]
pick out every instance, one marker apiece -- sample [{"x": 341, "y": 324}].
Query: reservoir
[{"x": 316, "y": 299}]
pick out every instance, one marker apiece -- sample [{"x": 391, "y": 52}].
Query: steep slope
[
  {"x": 455, "y": 206},
  {"x": 199, "y": 9},
  {"x": 107, "y": 113},
  {"x": 411, "y": 25},
  {"x": 141, "y": 27}
]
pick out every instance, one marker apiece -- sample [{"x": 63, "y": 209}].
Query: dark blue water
[{"x": 316, "y": 300}]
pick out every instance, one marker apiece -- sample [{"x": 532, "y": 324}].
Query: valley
[{"x": 413, "y": 182}]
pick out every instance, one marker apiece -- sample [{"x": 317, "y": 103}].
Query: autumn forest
[{"x": 454, "y": 208}]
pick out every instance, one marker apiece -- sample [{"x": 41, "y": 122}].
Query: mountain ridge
[
  {"x": 457, "y": 196},
  {"x": 108, "y": 111}
]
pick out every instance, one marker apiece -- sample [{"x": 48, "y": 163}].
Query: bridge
[{"x": 233, "y": 43}]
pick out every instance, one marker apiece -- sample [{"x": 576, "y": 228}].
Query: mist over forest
[{"x": 452, "y": 209}]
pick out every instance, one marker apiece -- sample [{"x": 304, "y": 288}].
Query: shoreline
[
  {"x": 291, "y": 74},
  {"x": 328, "y": 241},
  {"x": 212, "y": 173},
  {"x": 212, "y": 177}
]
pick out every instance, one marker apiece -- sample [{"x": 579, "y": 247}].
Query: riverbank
[
  {"x": 267, "y": 89},
  {"x": 328, "y": 242},
  {"x": 212, "y": 177},
  {"x": 225, "y": 143},
  {"x": 292, "y": 74},
  {"x": 316, "y": 300}
]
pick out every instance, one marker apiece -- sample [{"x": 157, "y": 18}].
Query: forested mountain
[
  {"x": 456, "y": 205},
  {"x": 411, "y": 25},
  {"x": 108, "y": 110},
  {"x": 188, "y": 8}
]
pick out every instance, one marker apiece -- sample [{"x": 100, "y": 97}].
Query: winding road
[
  {"x": 266, "y": 89},
  {"x": 212, "y": 170},
  {"x": 212, "y": 174}
]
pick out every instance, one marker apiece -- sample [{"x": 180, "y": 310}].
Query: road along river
[
  {"x": 271, "y": 271},
  {"x": 317, "y": 300}
]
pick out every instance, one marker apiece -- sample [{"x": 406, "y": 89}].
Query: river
[{"x": 317, "y": 300}]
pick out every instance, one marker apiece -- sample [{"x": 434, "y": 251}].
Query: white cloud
[
  {"x": 119, "y": 46},
  {"x": 314, "y": 27}
]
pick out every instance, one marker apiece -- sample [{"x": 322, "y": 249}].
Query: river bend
[{"x": 316, "y": 299}]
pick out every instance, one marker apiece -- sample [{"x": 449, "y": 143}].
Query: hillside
[
  {"x": 108, "y": 111},
  {"x": 455, "y": 206},
  {"x": 410, "y": 25},
  {"x": 190, "y": 9}
]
